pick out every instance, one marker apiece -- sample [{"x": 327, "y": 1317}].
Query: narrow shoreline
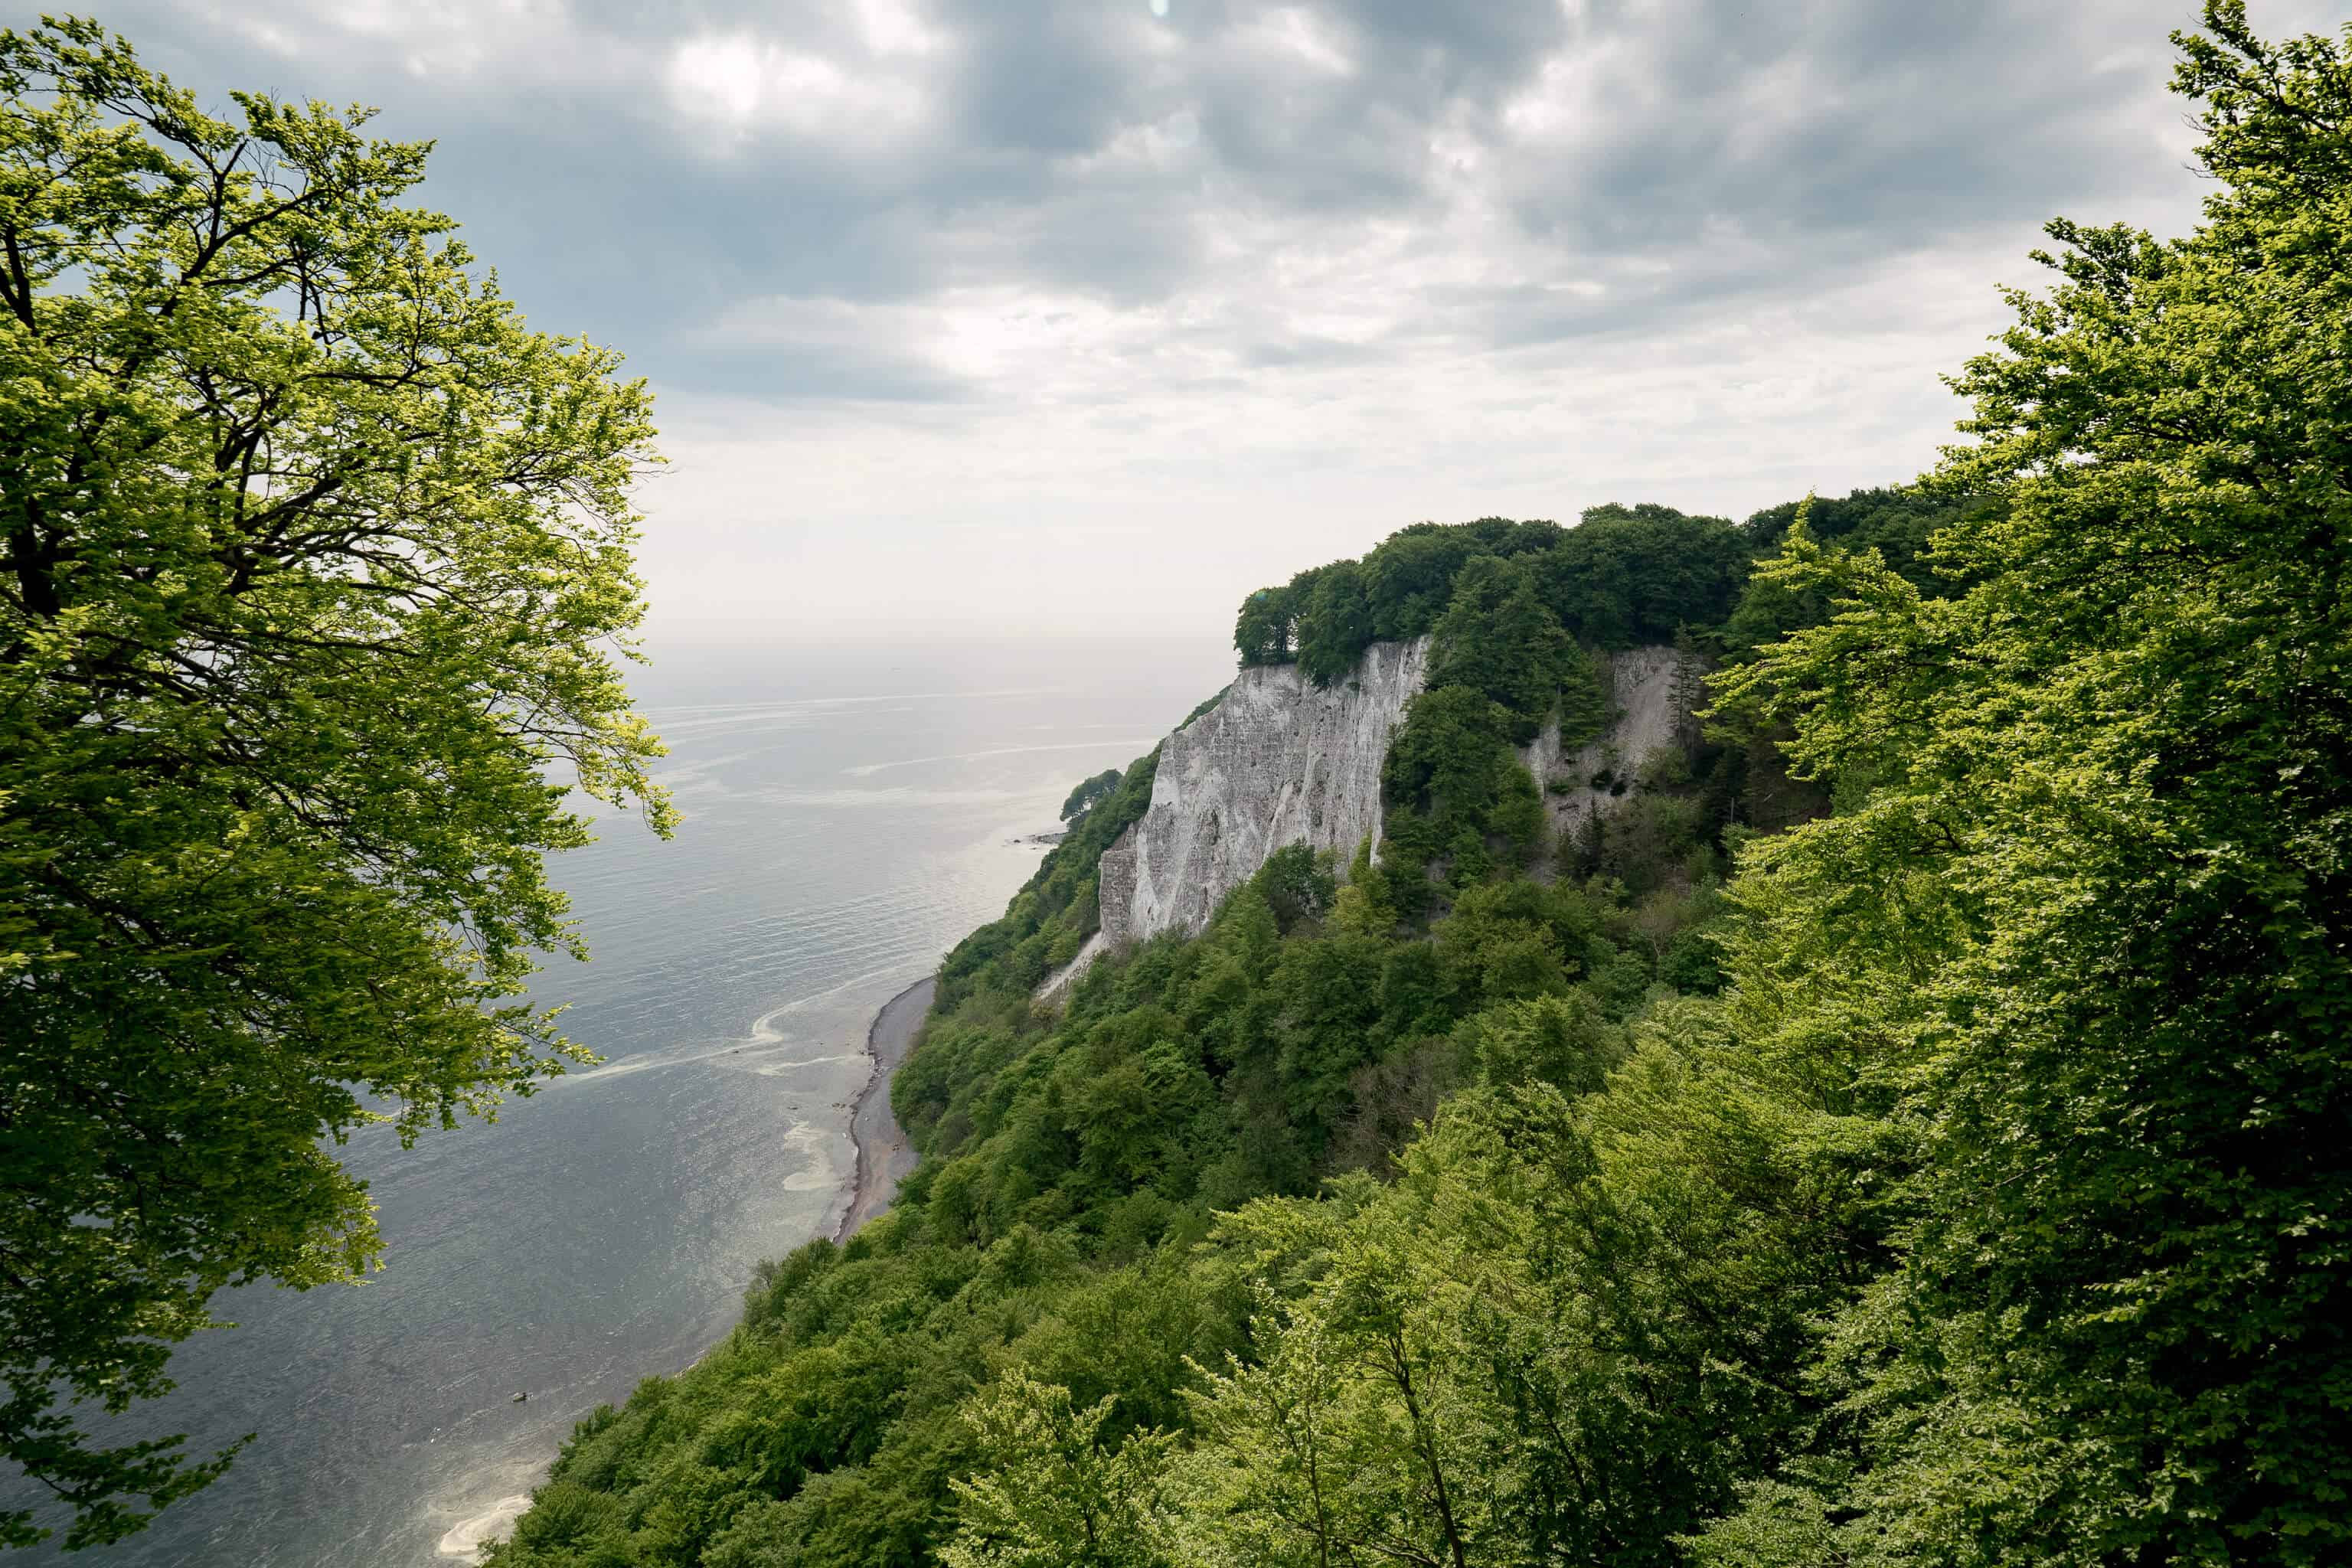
[
  {"x": 883, "y": 1157},
  {"x": 882, "y": 1160}
]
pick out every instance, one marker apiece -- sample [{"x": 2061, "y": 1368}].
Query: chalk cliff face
[
  {"x": 1277, "y": 762},
  {"x": 1653, "y": 695},
  {"x": 1280, "y": 763}
]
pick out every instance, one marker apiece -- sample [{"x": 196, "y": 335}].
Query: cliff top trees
[
  {"x": 1497, "y": 639},
  {"x": 310, "y": 555},
  {"x": 1622, "y": 576}
]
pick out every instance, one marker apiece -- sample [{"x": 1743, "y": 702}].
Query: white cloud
[
  {"x": 972, "y": 315},
  {"x": 1298, "y": 35},
  {"x": 740, "y": 84},
  {"x": 897, "y": 27}
]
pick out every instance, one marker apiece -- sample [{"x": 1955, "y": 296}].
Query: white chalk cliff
[
  {"x": 1651, "y": 694},
  {"x": 1279, "y": 761}
]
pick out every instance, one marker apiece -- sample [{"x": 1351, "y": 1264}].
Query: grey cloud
[
  {"x": 788, "y": 370},
  {"x": 1722, "y": 151},
  {"x": 1041, "y": 80},
  {"x": 1322, "y": 352},
  {"x": 1955, "y": 117}
]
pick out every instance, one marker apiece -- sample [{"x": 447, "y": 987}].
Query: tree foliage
[
  {"x": 1083, "y": 798},
  {"x": 1628, "y": 576},
  {"x": 313, "y": 555},
  {"x": 1623, "y": 577},
  {"x": 1497, "y": 639},
  {"x": 2112, "y": 751},
  {"x": 1960, "y": 1183}
]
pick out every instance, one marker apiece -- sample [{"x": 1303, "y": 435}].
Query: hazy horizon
[{"x": 1089, "y": 317}]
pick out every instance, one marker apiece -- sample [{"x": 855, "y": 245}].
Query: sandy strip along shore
[
  {"x": 883, "y": 1157},
  {"x": 883, "y": 1161}
]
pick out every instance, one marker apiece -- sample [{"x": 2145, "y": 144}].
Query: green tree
[
  {"x": 1625, "y": 575},
  {"x": 1335, "y": 623},
  {"x": 1053, "y": 1494},
  {"x": 1270, "y": 1482},
  {"x": 2117, "y": 759},
  {"x": 1450, "y": 751},
  {"x": 313, "y": 557},
  {"x": 1588, "y": 701},
  {"x": 1410, "y": 578},
  {"x": 1360, "y": 906},
  {"x": 1497, "y": 639},
  {"x": 1297, "y": 885},
  {"x": 1561, "y": 1040},
  {"x": 1368, "y": 1431},
  {"x": 1262, "y": 631},
  {"x": 1082, "y": 799},
  {"x": 1900, "y": 524},
  {"x": 1328, "y": 991}
]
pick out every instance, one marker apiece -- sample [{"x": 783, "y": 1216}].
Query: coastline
[
  {"x": 883, "y": 1157},
  {"x": 882, "y": 1161}
]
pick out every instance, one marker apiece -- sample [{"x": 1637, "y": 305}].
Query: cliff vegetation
[{"x": 1953, "y": 1175}]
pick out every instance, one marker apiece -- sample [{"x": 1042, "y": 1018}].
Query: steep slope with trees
[{"x": 1961, "y": 1182}]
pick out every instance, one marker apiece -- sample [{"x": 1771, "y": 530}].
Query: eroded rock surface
[
  {"x": 1653, "y": 694},
  {"x": 1277, "y": 762}
]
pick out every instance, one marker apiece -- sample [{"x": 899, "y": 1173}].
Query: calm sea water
[{"x": 847, "y": 817}]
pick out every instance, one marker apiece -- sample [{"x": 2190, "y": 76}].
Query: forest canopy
[
  {"x": 1082, "y": 798},
  {"x": 1622, "y": 576},
  {"x": 1952, "y": 1176}
]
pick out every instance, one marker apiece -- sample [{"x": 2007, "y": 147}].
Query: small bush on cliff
[{"x": 1083, "y": 798}]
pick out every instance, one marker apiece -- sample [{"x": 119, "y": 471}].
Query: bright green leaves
[
  {"x": 315, "y": 557},
  {"x": 1056, "y": 1494},
  {"x": 2079, "y": 923},
  {"x": 1559, "y": 1337}
]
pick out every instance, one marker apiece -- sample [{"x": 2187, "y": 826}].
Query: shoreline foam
[
  {"x": 882, "y": 1160},
  {"x": 465, "y": 1540},
  {"x": 883, "y": 1157}
]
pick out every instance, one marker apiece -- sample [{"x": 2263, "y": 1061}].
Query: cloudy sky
[{"x": 1083, "y": 317}]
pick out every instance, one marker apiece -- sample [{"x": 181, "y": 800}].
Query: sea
[{"x": 848, "y": 815}]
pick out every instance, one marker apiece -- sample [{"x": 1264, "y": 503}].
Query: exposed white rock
[
  {"x": 1279, "y": 761},
  {"x": 1651, "y": 694},
  {"x": 1062, "y": 979}
]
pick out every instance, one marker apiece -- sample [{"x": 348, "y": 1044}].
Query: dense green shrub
[{"x": 1089, "y": 791}]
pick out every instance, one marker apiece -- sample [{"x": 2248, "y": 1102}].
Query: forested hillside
[{"x": 1957, "y": 1176}]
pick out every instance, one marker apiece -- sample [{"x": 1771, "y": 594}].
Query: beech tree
[
  {"x": 1057, "y": 1495},
  {"x": 2097, "y": 805},
  {"x": 1082, "y": 799},
  {"x": 314, "y": 565},
  {"x": 1497, "y": 639}
]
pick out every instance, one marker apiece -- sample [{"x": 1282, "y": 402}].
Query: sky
[{"x": 1080, "y": 318}]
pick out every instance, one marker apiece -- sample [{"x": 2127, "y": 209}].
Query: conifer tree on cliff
[{"x": 313, "y": 560}]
